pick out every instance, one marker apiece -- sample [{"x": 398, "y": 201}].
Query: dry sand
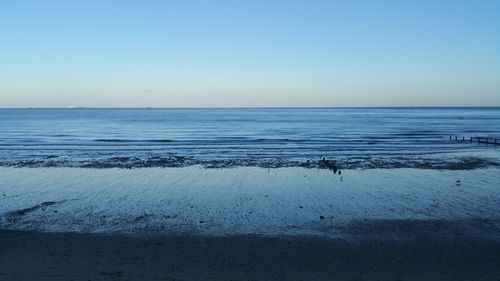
[{"x": 415, "y": 253}]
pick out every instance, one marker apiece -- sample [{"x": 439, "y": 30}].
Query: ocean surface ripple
[{"x": 217, "y": 138}]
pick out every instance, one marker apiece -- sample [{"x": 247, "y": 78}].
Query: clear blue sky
[{"x": 249, "y": 53}]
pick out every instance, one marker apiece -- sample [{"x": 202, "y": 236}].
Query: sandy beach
[
  {"x": 249, "y": 224},
  {"x": 71, "y": 256}
]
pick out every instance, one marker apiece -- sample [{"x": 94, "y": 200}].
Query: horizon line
[{"x": 254, "y": 107}]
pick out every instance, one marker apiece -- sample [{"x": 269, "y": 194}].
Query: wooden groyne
[{"x": 484, "y": 140}]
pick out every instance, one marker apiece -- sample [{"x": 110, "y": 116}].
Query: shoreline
[{"x": 437, "y": 161}]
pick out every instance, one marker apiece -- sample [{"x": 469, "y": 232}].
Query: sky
[{"x": 256, "y": 53}]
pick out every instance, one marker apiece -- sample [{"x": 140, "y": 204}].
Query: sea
[{"x": 437, "y": 137}]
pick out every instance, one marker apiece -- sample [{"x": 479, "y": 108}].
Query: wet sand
[
  {"x": 242, "y": 201},
  {"x": 69, "y": 256}
]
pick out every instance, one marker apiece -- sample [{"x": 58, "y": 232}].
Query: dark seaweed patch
[{"x": 14, "y": 215}]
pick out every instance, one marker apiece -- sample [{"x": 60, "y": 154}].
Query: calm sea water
[{"x": 84, "y": 137}]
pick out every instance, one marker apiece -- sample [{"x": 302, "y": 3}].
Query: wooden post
[
  {"x": 456, "y": 137},
  {"x": 463, "y": 138}
]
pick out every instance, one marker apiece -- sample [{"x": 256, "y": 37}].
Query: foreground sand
[
  {"x": 59, "y": 256},
  {"x": 249, "y": 224}
]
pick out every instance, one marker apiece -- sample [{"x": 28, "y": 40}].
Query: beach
[
  {"x": 249, "y": 223},
  {"x": 72, "y": 256}
]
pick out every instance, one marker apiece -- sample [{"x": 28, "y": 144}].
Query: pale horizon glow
[{"x": 224, "y": 53}]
